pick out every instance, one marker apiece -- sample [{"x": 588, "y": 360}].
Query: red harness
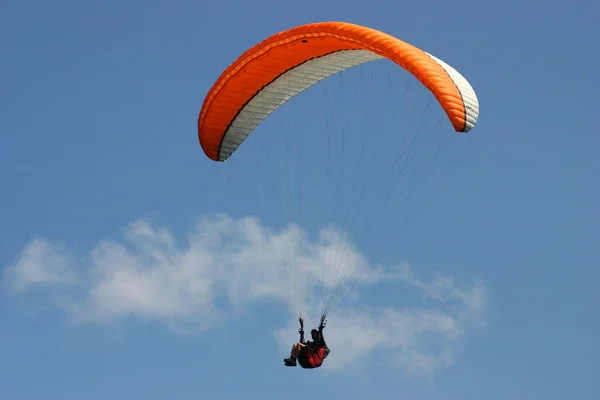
[{"x": 311, "y": 359}]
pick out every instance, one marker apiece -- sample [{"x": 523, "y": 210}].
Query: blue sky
[{"x": 490, "y": 280}]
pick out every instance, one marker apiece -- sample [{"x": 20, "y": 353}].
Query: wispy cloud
[
  {"x": 40, "y": 263},
  {"x": 226, "y": 264}
]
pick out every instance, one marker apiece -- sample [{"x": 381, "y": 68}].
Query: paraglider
[
  {"x": 282, "y": 66},
  {"x": 309, "y": 354}
]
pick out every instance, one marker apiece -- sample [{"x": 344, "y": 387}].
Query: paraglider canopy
[{"x": 283, "y": 65}]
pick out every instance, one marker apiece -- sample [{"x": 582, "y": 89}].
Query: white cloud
[
  {"x": 230, "y": 263},
  {"x": 40, "y": 263}
]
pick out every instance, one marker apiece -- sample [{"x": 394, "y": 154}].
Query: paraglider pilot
[{"x": 309, "y": 354}]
